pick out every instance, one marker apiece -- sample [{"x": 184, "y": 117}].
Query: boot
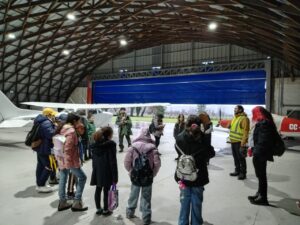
[
  {"x": 234, "y": 174},
  {"x": 252, "y": 197},
  {"x": 242, "y": 176},
  {"x": 78, "y": 206},
  {"x": 260, "y": 201},
  {"x": 63, "y": 205}
]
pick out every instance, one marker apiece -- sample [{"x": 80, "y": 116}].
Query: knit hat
[
  {"x": 49, "y": 112},
  {"x": 62, "y": 117}
]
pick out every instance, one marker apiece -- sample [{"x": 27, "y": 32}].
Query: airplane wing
[
  {"x": 13, "y": 123},
  {"x": 92, "y": 106}
]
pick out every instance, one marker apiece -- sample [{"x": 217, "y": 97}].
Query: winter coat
[
  {"x": 46, "y": 132},
  {"x": 178, "y": 128},
  {"x": 71, "y": 151},
  {"x": 91, "y": 129},
  {"x": 189, "y": 145},
  {"x": 263, "y": 137},
  {"x": 125, "y": 125},
  {"x": 159, "y": 127},
  {"x": 144, "y": 144},
  {"x": 105, "y": 167}
]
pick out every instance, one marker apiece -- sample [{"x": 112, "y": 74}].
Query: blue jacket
[{"x": 46, "y": 132}]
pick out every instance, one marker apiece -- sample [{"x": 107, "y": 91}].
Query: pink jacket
[
  {"x": 71, "y": 151},
  {"x": 143, "y": 143}
]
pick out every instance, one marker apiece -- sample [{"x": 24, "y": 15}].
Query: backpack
[
  {"x": 186, "y": 166},
  {"x": 152, "y": 128},
  {"x": 33, "y": 135},
  {"x": 58, "y": 145},
  {"x": 279, "y": 146},
  {"x": 141, "y": 174}
]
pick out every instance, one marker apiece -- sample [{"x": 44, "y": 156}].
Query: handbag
[{"x": 113, "y": 198}]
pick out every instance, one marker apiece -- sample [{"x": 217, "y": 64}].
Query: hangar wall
[
  {"x": 286, "y": 95},
  {"x": 79, "y": 95}
]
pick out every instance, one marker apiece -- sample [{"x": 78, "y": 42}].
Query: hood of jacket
[
  {"x": 40, "y": 118},
  {"x": 102, "y": 146},
  {"x": 144, "y": 136},
  {"x": 67, "y": 129}
]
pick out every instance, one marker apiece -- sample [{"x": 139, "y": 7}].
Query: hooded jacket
[
  {"x": 105, "y": 167},
  {"x": 263, "y": 138},
  {"x": 71, "y": 151},
  {"x": 144, "y": 144},
  {"x": 46, "y": 132},
  {"x": 189, "y": 145}
]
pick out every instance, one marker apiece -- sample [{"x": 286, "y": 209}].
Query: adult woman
[
  {"x": 191, "y": 142},
  {"x": 71, "y": 162},
  {"x": 178, "y": 128},
  {"x": 263, "y": 137},
  {"x": 105, "y": 167}
]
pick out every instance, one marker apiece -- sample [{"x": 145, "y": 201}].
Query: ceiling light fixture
[
  {"x": 66, "y": 52},
  {"x": 11, "y": 36},
  {"x": 212, "y": 26},
  {"x": 123, "y": 42},
  {"x": 71, "y": 16}
]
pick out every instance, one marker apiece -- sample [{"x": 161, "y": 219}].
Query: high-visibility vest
[{"x": 236, "y": 132}]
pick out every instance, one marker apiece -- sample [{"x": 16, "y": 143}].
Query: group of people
[
  {"x": 142, "y": 159},
  {"x": 259, "y": 142}
]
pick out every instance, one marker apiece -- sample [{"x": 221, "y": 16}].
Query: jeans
[
  {"x": 191, "y": 196},
  {"x": 239, "y": 160},
  {"x": 81, "y": 179},
  {"x": 63, "y": 174},
  {"x": 260, "y": 167},
  {"x": 43, "y": 169},
  {"x": 145, "y": 204}
]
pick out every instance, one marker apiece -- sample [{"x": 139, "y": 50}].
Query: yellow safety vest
[{"x": 236, "y": 132}]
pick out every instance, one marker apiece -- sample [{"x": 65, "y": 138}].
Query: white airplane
[{"x": 12, "y": 116}]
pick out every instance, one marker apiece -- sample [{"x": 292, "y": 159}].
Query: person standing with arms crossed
[{"x": 238, "y": 135}]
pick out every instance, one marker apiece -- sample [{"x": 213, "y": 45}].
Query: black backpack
[
  {"x": 279, "y": 146},
  {"x": 152, "y": 128},
  {"x": 32, "y": 134},
  {"x": 141, "y": 174}
]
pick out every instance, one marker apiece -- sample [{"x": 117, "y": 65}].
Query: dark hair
[
  {"x": 178, "y": 118},
  {"x": 72, "y": 117},
  {"x": 193, "y": 125},
  {"x": 241, "y": 108},
  {"x": 160, "y": 116},
  {"x": 103, "y": 133},
  {"x": 122, "y": 109}
]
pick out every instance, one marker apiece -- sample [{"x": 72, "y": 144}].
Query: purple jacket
[{"x": 143, "y": 143}]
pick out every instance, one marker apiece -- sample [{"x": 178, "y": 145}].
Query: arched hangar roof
[{"x": 48, "y": 46}]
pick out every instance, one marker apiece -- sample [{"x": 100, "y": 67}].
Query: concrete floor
[{"x": 225, "y": 198}]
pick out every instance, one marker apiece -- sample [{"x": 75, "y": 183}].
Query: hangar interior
[{"x": 49, "y": 48}]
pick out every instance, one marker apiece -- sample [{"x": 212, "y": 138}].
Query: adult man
[
  {"x": 124, "y": 123},
  {"x": 45, "y": 133},
  {"x": 239, "y": 130}
]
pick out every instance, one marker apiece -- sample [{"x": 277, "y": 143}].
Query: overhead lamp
[
  {"x": 212, "y": 26},
  {"x": 269, "y": 57},
  {"x": 123, "y": 42},
  {"x": 71, "y": 16},
  {"x": 66, "y": 52},
  {"x": 11, "y": 36}
]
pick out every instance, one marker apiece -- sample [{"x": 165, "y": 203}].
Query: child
[{"x": 105, "y": 167}]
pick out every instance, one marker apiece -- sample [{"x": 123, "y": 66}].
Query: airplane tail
[{"x": 8, "y": 110}]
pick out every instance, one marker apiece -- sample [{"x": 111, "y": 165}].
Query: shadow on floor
[
  {"x": 288, "y": 204},
  {"x": 30, "y": 192},
  {"x": 66, "y": 217}
]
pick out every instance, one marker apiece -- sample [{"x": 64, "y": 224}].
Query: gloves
[{"x": 243, "y": 151}]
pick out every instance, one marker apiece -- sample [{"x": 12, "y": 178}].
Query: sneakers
[
  {"x": 99, "y": 211},
  {"x": 130, "y": 216},
  {"x": 54, "y": 181},
  {"x": 234, "y": 174},
  {"x": 78, "y": 206},
  {"x": 44, "y": 189},
  {"x": 63, "y": 205}
]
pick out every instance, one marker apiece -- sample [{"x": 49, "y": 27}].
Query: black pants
[
  {"x": 98, "y": 197},
  {"x": 239, "y": 160},
  {"x": 157, "y": 141},
  {"x": 260, "y": 167}
]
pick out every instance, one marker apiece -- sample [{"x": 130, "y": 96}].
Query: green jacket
[
  {"x": 91, "y": 129},
  {"x": 124, "y": 124}
]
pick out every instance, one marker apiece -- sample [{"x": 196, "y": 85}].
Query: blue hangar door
[{"x": 247, "y": 87}]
